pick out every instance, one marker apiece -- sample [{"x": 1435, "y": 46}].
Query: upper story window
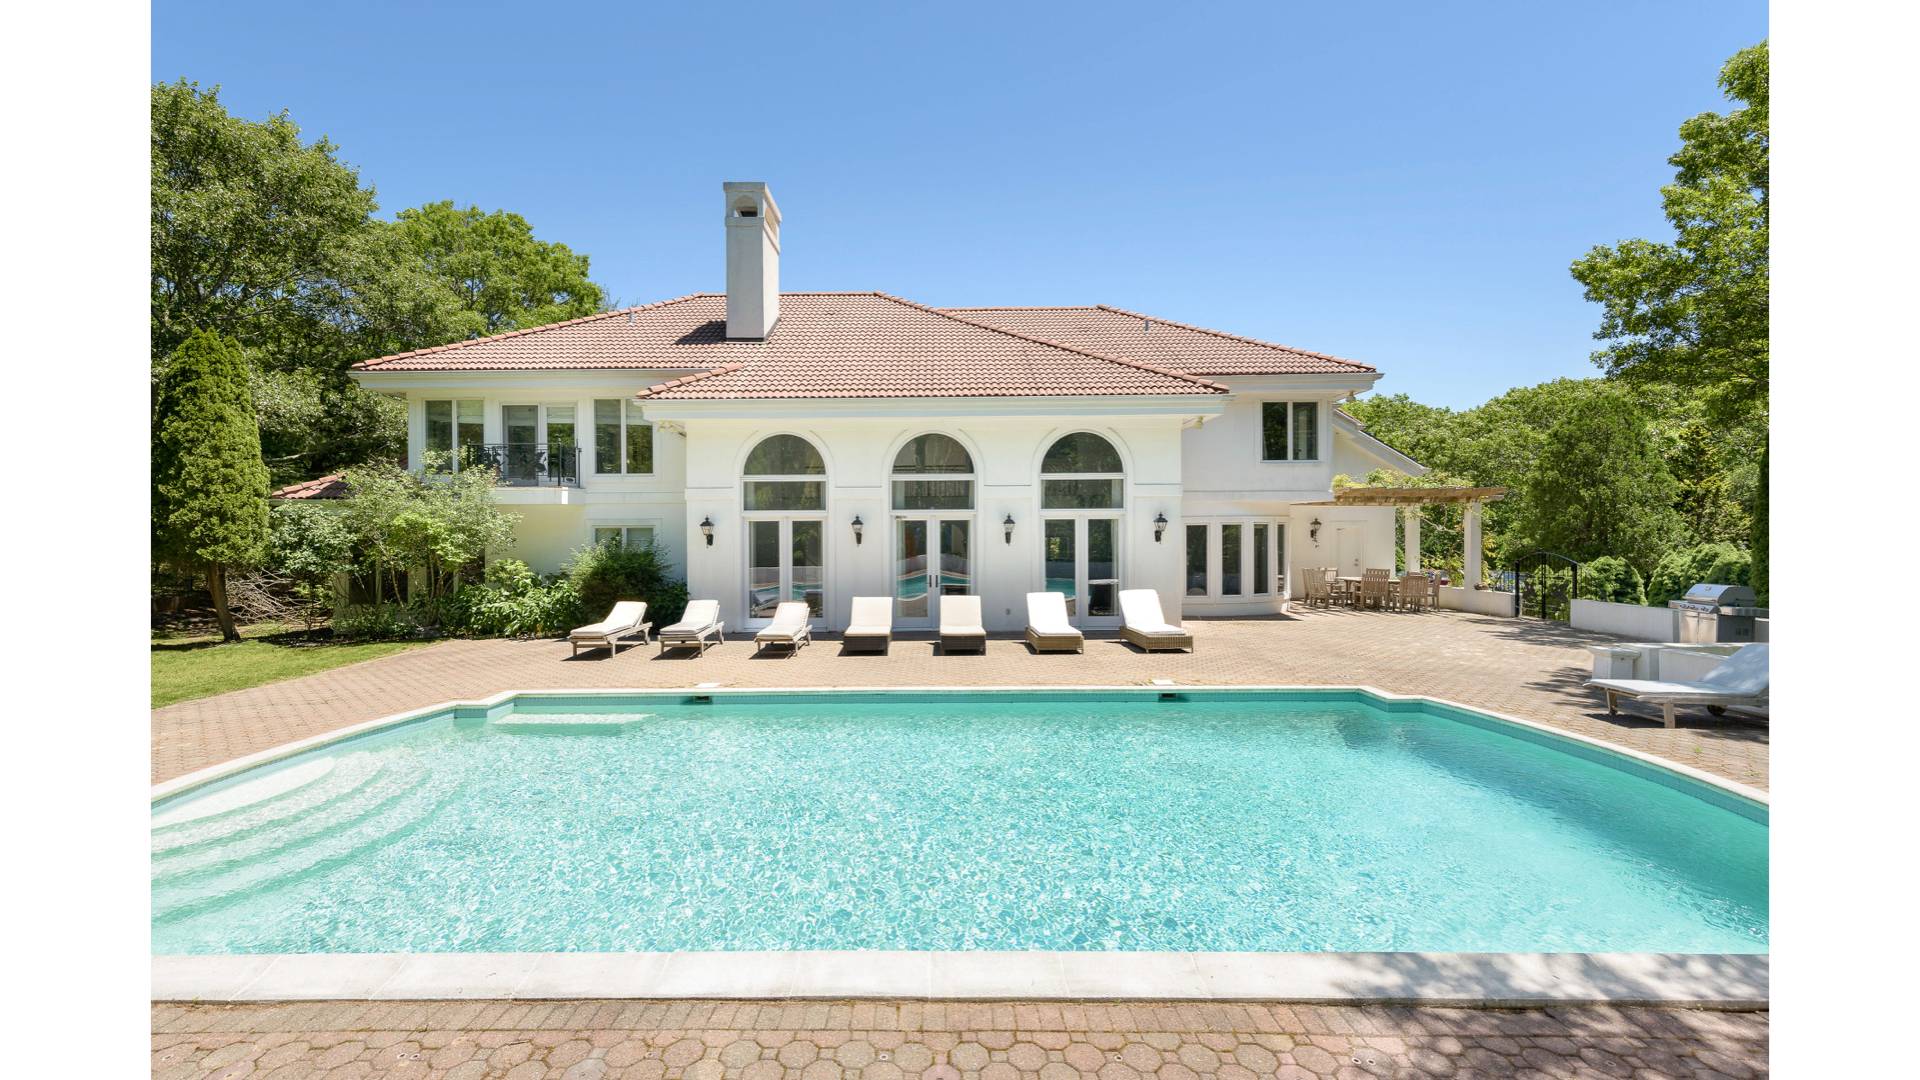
[
  {"x": 1290, "y": 430},
  {"x": 452, "y": 424},
  {"x": 930, "y": 456},
  {"x": 778, "y": 476},
  {"x": 1081, "y": 471},
  {"x": 622, "y": 442},
  {"x": 628, "y": 536}
]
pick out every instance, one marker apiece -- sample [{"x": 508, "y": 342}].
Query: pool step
[
  {"x": 349, "y": 774},
  {"x": 345, "y": 810},
  {"x": 245, "y": 794},
  {"x": 195, "y": 893}
]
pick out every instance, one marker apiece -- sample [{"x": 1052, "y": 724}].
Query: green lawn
[{"x": 194, "y": 665}]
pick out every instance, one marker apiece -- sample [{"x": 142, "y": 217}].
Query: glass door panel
[
  {"x": 956, "y": 557},
  {"x": 910, "y": 568},
  {"x": 1062, "y": 561},
  {"x": 1262, "y": 580},
  {"x": 1230, "y": 582},
  {"x": 1103, "y": 567},
  {"x": 763, "y": 568},
  {"x": 522, "y": 425},
  {"x": 1196, "y": 560},
  {"x": 808, "y": 569}
]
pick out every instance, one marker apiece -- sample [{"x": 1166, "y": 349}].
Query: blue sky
[{"x": 1403, "y": 184}]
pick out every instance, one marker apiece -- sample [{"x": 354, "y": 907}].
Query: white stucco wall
[
  {"x": 859, "y": 452},
  {"x": 1635, "y": 622}
]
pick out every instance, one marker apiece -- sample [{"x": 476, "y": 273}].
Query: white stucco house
[{"x": 818, "y": 446}]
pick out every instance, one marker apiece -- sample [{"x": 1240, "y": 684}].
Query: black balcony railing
[{"x": 528, "y": 464}]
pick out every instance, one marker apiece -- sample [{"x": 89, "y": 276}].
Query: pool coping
[{"x": 1722, "y": 980}]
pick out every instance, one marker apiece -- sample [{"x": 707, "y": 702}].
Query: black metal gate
[{"x": 1544, "y": 585}]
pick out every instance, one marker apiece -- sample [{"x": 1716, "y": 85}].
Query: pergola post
[
  {"x": 1410, "y": 515},
  {"x": 1473, "y": 567}
]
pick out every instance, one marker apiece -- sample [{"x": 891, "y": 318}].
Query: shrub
[
  {"x": 607, "y": 573},
  {"x": 1677, "y": 571},
  {"x": 310, "y": 544},
  {"x": 512, "y": 601},
  {"x": 1609, "y": 578},
  {"x": 384, "y": 621}
]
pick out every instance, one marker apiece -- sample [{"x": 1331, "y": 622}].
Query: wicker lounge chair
[
  {"x": 1144, "y": 625},
  {"x": 961, "y": 625},
  {"x": 1047, "y": 627},
  {"x": 628, "y": 617},
  {"x": 789, "y": 627},
  {"x": 699, "y": 623},
  {"x": 871, "y": 625}
]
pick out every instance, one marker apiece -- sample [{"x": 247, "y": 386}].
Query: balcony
[{"x": 527, "y": 464}]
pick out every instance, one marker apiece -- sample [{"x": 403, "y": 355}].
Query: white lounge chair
[
  {"x": 699, "y": 623},
  {"x": 627, "y": 617},
  {"x": 1047, "y": 627},
  {"x": 789, "y": 627},
  {"x": 961, "y": 625},
  {"x": 871, "y": 624},
  {"x": 1741, "y": 679},
  {"x": 1142, "y": 623}
]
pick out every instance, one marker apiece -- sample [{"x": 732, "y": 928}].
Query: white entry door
[
  {"x": 1349, "y": 553},
  {"x": 786, "y": 560},
  {"x": 932, "y": 558},
  {"x": 1081, "y": 558}
]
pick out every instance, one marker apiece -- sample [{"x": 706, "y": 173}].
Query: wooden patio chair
[{"x": 1375, "y": 588}]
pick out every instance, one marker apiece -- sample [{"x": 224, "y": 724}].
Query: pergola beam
[{"x": 1412, "y": 496}]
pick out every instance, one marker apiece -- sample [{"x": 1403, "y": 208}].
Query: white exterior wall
[
  {"x": 559, "y": 520},
  {"x": 1635, "y": 622},
  {"x": 859, "y": 453}
]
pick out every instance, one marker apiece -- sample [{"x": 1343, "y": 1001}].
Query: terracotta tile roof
[
  {"x": 663, "y": 335},
  {"x": 326, "y": 487},
  {"x": 872, "y": 345},
  {"x": 1150, "y": 339}
]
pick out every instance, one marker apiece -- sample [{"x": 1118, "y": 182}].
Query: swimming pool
[{"x": 1070, "y": 821}]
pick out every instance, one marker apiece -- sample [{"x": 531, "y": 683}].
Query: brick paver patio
[
  {"x": 709, "y": 1040},
  {"x": 1523, "y": 668}
]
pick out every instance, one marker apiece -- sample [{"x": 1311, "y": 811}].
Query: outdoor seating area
[{"x": 1372, "y": 590}]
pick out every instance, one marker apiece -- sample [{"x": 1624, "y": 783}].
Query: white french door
[
  {"x": 1080, "y": 556},
  {"x": 932, "y": 558},
  {"x": 786, "y": 560}
]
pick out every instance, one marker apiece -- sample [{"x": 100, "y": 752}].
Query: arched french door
[
  {"x": 1082, "y": 501},
  {"x": 783, "y": 502},
  {"x": 931, "y": 492}
]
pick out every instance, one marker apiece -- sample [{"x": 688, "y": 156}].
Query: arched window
[
  {"x": 1081, "y": 471},
  {"x": 920, "y": 462},
  {"x": 777, "y": 474}
]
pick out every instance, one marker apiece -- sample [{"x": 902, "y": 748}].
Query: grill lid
[{"x": 1706, "y": 595}]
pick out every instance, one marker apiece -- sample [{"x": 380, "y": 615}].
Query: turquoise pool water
[{"x": 1001, "y": 821}]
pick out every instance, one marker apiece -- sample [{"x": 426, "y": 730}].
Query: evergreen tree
[{"x": 209, "y": 484}]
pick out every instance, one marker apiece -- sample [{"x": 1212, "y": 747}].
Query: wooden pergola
[{"x": 1410, "y": 499}]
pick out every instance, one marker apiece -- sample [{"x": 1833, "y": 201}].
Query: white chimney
[{"x": 753, "y": 260}]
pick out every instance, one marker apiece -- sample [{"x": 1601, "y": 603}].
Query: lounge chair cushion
[
  {"x": 789, "y": 623},
  {"x": 1047, "y": 615},
  {"x": 1140, "y": 611},
  {"x": 960, "y": 617},
  {"x": 700, "y": 618},
  {"x": 1742, "y": 675},
  {"x": 623, "y": 619},
  {"x": 872, "y": 616}
]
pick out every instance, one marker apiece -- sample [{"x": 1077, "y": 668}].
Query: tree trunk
[{"x": 217, "y": 585}]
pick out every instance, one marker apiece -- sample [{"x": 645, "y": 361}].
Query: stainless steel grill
[{"x": 1717, "y": 613}]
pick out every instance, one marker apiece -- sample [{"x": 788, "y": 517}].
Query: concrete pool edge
[
  {"x": 1455, "y": 979},
  {"x": 1468, "y": 980},
  {"x": 178, "y": 785}
]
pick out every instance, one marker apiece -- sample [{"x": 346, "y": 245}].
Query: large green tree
[
  {"x": 504, "y": 278},
  {"x": 271, "y": 240},
  {"x": 1691, "y": 313},
  {"x": 209, "y": 485},
  {"x": 1599, "y": 487}
]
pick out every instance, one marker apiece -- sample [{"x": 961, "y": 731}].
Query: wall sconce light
[
  {"x": 1159, "y": 527},
  {"x": 857, "y": 527},
  {"x": 1008, "y": 526},
  {"x": 706, "y": 529},
  {"x": 1313, "y": 530}
]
